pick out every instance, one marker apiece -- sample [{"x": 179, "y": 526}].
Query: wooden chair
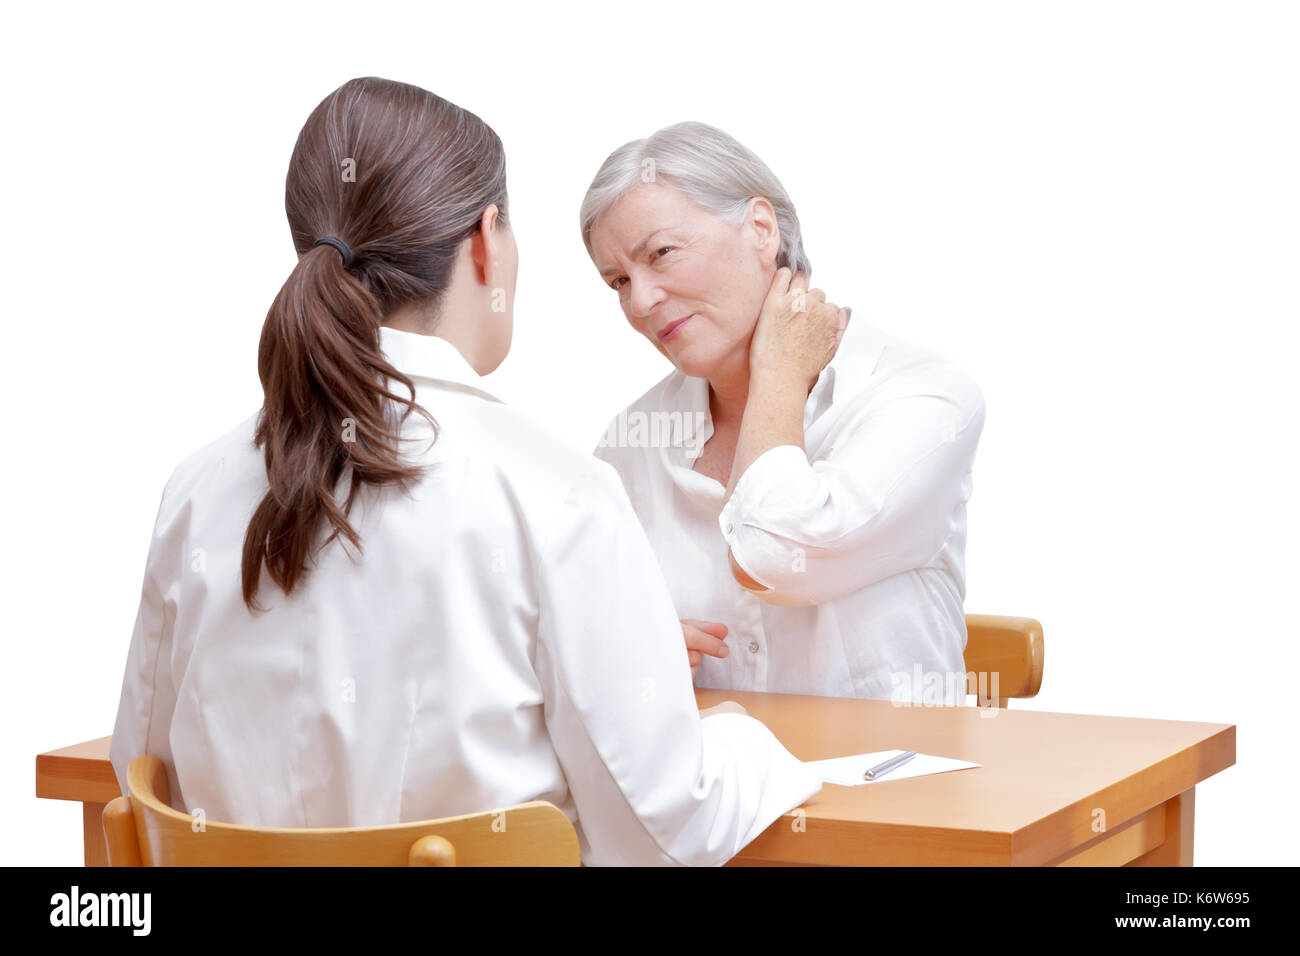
[
  {"x": 144, "y": 830},
  {"x": 1011, "y": 648}
]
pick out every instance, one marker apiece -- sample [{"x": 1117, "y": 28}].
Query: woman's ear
[
  {"x": 485, "y": 246},
  {"x": 765, "y": 232}
]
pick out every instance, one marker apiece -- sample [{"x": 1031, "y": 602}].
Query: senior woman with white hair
[{"x": 813, "y": 532}]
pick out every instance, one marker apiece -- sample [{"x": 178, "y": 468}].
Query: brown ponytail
[{"x": 402, "y": 177}]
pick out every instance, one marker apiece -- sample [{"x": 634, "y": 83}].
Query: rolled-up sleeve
[
  {"x": 885, "y": 500},
  {"x": 651, "y": 781}
]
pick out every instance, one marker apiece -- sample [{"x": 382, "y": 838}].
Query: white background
[{"x": 1092, "y": 207}]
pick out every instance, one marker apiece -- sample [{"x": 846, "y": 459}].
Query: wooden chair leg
[{"x": 92, "y": 834}]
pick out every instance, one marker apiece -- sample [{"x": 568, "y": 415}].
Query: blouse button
[{"x": 753, "y": 647}]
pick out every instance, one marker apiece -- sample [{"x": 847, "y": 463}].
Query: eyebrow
[{"x": 640, "y": 247}]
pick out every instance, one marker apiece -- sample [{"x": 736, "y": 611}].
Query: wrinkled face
[{"x": 671, "y": 260}]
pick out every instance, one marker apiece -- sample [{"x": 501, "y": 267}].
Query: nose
[{"x": 643, "y": 294}]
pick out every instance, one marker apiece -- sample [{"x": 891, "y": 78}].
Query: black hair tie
[{"x": 338, "y": 244}]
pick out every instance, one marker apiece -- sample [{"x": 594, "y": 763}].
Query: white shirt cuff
[{"x": 765, "y": 472}]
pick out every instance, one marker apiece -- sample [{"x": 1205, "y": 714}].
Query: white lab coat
[
  {"x": 859, "y": 536},
  {"x": 506, "y": 635}
]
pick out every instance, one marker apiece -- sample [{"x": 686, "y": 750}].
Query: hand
[
  {"x": 797, "y": 332},
  {"x": 703, "y": 637}
]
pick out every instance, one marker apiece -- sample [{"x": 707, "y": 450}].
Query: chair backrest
[
  {"x": 1004, "y": 658},
  {"x": 144, "y": 830}
]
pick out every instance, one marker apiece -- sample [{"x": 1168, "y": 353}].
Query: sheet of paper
[{"x": 848, "y": 771}]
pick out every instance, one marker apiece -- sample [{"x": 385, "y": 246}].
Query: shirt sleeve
[
  {"x": 652, "y": 782},
  {"x": 884, "y": 501},
  {"x": 148, "y": 699}
]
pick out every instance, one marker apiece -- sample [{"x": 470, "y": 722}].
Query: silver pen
[{"x": 880, "y": 769}]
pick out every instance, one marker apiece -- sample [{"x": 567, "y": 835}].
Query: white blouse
[
  {"x": 505, "y": 636},
  {"x": 859, "y": 537}
]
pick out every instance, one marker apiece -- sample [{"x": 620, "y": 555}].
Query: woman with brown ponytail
[{"x": 387, "y": 596}]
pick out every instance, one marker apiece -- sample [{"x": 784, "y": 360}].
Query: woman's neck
[{"x": 728, "y": 392}]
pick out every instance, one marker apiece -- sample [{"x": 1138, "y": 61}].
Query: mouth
[{"x": 670, "y": 330}]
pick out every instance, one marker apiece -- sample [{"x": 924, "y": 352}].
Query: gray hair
[{"x": 713, "y": 169}]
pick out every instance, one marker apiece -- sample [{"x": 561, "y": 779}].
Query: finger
[
  {"x": 800, "y": 281},
  {"x": 780, "y": 282},
  {"x": 695, "y": 658},
  {"x": 712, "y": 627},
  {"x": 697, "y": 640},
  {"x": 828, "y": 313}
]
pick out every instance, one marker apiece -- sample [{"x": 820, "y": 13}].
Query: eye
[{"x": 662, "y": 250}]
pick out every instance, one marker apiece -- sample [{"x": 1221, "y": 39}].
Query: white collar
[{"x": 432, "y": 358}]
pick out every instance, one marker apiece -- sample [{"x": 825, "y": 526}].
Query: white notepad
[{"x": 848, "y": 771}]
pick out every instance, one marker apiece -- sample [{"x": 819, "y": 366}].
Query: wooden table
[
  {"x": 1053, "y": 789},
  {"x": 1047, "y": 786}
]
